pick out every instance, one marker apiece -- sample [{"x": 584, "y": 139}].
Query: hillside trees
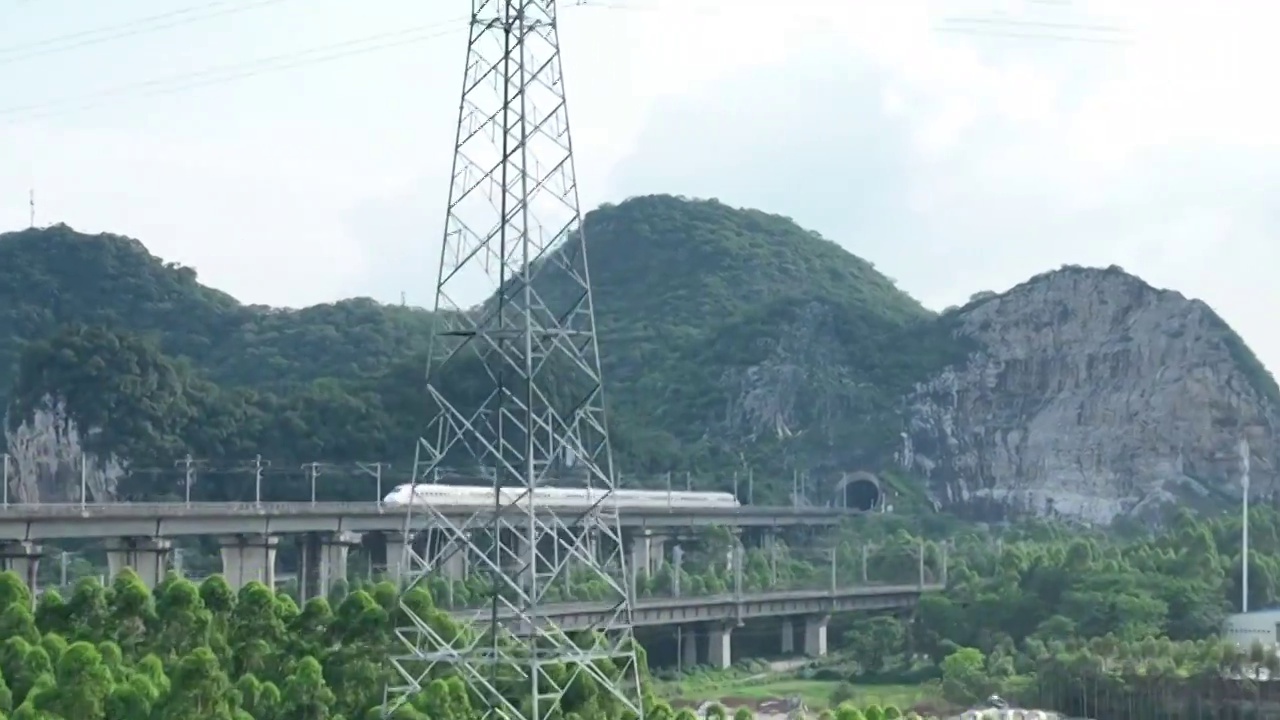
[
  {"x": 681, "y": 287},
  {"x": 133, "y": 397}
]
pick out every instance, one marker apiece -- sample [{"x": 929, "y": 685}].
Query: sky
[{"x": 960, "y": 145}]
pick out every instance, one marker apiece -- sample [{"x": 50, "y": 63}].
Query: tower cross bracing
[{"x": 514, "y": 395}]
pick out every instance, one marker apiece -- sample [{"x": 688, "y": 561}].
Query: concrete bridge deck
[
  {"x": 727, "y": 608},
  {"x": 22, "y": 522},
  {"x": 706, "y": 623}
]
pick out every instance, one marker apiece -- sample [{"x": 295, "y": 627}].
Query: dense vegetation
[
  {"x": 1042, "y": 615},
  {"x": 689, "y": 295},
  {"x": 1075, "y": 621},
  {"x": 191, "y": 652}
]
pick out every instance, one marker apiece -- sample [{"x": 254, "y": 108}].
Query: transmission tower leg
[{"x": 515, "y": 396}]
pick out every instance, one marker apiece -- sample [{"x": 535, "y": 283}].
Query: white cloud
[
  {"x": 956, "y": 162},
  {"x": 964, "y": 162}
]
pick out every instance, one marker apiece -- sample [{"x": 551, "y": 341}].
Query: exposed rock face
[
  {"x": 1095, "y": 396},
  {"x": 48, "y": 450},
  {"x": 796, "y": 381}
]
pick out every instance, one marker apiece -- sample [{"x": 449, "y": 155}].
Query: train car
[{"x": 556, "y": 497}]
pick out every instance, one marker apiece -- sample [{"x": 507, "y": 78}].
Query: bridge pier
[
  {"x": 249, "y": 558},
  {"x": 22, "y": 559},
  {"x": 148, "y": 557},
  {"x": 322, "y": 561},
  {"x": 639, "y": 556},
  {"x": 453, "y": 561},
  {"x": 648, "y": 552},
  {"x": 788, "y": 636},
  {"x": 657, "y": 553},
  {"x": 447, "y": 554},
  {"x": 688, "y": 646},
  {"x": 719, "y": 645},
  {"x": 395, "y": 559},
  {"x": 815, "y": 635},
  {"x": 515, "y": 556},
  {"x": 736, "y": 550},
  {"x": 677, "y": 561}
]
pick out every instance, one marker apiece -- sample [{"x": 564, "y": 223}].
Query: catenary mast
[{"x": 514, "y": 392}]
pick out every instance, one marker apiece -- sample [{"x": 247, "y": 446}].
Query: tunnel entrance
[{"x": 863, "y": 494}]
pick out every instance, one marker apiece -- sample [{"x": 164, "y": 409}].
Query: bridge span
[
  {"x": 708, "y": 621},
  {"x": 141, "y": 535},
  {"x": 56, "y": 521}
]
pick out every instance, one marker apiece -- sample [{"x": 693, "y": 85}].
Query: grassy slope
[{"x": 815, "y": 693}]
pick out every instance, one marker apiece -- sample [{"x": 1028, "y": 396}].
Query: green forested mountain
[
  {"x": 687, "y": 294},
  {"x": 711, "y": 317},
  {"x": 56, "y": 276},
  {"x": 729, "y": 338}
]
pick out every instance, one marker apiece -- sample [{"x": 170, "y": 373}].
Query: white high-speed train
[{"x": 564, "y": 498}]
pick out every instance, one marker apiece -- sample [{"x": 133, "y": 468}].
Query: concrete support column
[
  {"x": 719, "y": 645},
  {"x": 688, "y": 646},
  {"x": 815, "y": 635},
  {"x": 657, "y": 553},
  {"x": 322, "y": 561},
  {"x": 148, "y": 557},
  {"x": 788, "y": 636},
  {"x": 733, "y": 552},
  {"x": 249, "y": 558},
  {"x": 396, "y": 542},
  {"x": 640, "y": 562},
  {"x": 677, "y": 562},
  {"x": 454, "y": 566},
  {"x": 22, "y": 559},
  {"x": 520, "y": 559}
]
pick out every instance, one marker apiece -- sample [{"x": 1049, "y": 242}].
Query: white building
[{"x": 1244, "y": 629}]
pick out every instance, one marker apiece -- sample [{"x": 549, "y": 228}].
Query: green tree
[
  {"x": 964, "y": 680},
  {"x": 875, "y": 641},
  {"x": 305, "y": 696},
  {"x": 81, "y": 687},
  {"x": 199, "y": 689}
]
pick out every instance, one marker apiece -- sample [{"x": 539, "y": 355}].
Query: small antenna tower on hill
[
  {"x": 530, "y": 405},
  {"x": 31, "y": 203}
]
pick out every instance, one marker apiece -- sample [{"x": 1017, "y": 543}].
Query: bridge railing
[{"x": 715, "y": 572}]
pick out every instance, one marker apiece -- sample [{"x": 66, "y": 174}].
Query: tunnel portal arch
[{"x": 860, "y": 490}]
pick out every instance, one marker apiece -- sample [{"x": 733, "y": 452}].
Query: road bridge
[{"x": 709, "y": 620}]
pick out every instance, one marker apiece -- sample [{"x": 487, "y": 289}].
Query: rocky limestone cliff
[
  {"x": 47, "y": 452},
  {"x": 795, "y": 381},
  {"x": 1094, "y": 396}
]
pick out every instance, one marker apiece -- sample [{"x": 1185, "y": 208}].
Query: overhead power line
[
  {"x": 183, "y": 82},
  {"x": 996, "y": 32},
  {"x": 222, "y": 74},
  {"x": 1030, "y": 27},
  {"x": 141, "y": 26}
]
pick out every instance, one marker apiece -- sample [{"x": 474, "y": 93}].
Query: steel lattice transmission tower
[{"x": 515, "y": 393}]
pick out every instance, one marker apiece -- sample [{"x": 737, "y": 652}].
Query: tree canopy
[{"x": 191, "y": 652}]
